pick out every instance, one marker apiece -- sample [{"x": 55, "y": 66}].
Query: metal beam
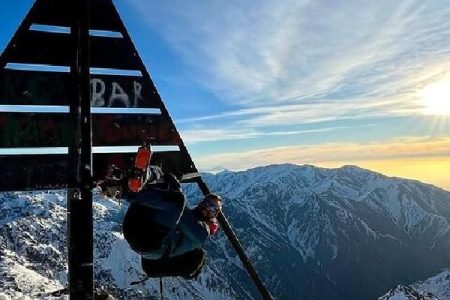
[{"x": 80, "y": 220}]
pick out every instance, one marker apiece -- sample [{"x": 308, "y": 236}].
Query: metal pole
[
  {"x": 228, "y": 230},
  {"x": 80, "y": 222}
]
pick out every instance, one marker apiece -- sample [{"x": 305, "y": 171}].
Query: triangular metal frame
[{"x": 57, "y": 62}]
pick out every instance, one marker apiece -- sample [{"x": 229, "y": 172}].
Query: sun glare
[{"x": 436, "y": 98}]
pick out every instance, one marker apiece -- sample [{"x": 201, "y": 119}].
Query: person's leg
[{"x": 187, "y": 265}]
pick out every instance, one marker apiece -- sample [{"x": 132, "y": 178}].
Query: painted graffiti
[{"x": 114, "y": 95}]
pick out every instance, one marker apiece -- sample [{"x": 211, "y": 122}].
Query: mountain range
[{"x": 312, "y": 233}]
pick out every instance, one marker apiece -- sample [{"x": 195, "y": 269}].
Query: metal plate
[
  {"x": 34, "y": 172},
  {"x": 58, "y": 13},
  {"x": 34, "y": 88},
  {"x": 35, "y": 130},
  {"x": 35, "y": 47},
  {"x": 54, "y": 12},
  {"x": 174, "y": 162},
  {"x": 104, "y": 16},
  {"x": 131, "y": 130},
  {"x": 115, "y": 53}
]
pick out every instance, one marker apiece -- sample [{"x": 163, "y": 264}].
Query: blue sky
[{"x": 320, "y": 82}]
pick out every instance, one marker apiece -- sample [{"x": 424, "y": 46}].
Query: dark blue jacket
[{"x": 185, "y": 232}]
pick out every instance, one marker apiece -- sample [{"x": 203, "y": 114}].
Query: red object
[
  {"x": 134, "y": 184},
  {"x": 213, "y": 227},
  {"x": 142, "y": 159},
  {"x": 141, "y": 163}
]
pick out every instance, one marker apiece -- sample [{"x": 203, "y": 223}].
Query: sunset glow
[{"x": 436, "y": 98}]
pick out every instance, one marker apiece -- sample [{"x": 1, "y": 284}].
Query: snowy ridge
[
  {"x": 407, "y": 293},
  {"x": 438, "y": 285},
  {"x": 433, "y": 288},
  {"x": 409, "y": 204},
  {"x": 312, "y": 233}
]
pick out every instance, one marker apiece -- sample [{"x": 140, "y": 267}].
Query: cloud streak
[
  {"x": 308, "y": 61},
  {"x": 330, "y": 153},
  {"x": 209, "y": 135}
]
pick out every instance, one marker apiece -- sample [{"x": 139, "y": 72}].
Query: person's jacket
[{"x": 184, "y": 231}]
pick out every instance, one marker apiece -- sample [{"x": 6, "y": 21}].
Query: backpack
[{"x": 150, "y": 218}]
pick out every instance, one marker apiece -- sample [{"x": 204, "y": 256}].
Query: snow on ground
[
  {"x": 439, "y": 285},
  {"x": 402, "y": 292}
]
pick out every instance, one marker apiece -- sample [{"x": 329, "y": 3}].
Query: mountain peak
[{"x": 407, "y": 292}]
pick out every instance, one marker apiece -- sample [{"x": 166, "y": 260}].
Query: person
[
  {"x": 167, "y": 234},
  {"x": 162, "y": 229}
]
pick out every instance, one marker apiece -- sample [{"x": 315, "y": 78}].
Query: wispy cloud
[
  {"x": 288, "y": 49},
  {"x": 303, "y": 61},
  {"x": 208, "y": 135},
  {"x": 330, "y": 153}
]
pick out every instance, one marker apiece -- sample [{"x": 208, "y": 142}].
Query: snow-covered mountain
[
  {"x": 312, "y": 233},
  {"x": 402, "y": 292},
  {"x": 33, "y": 253},
  {"x": 436, "y": 287}
]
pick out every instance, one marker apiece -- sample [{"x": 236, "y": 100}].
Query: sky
[{"x": 326, "y": 83}]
